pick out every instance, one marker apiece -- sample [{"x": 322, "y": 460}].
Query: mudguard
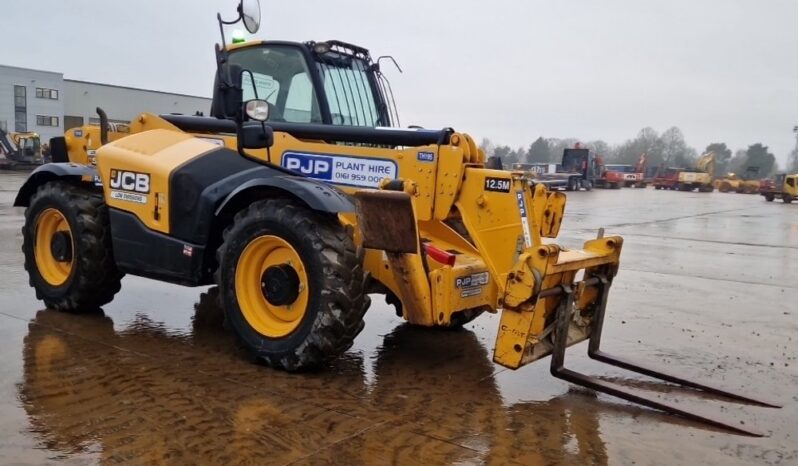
[
  {"x": 317, "y": 195},
  {"x": 49, "y": 172}
]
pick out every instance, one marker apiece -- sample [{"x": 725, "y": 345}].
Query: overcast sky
[{"x": 721, "y": 70}]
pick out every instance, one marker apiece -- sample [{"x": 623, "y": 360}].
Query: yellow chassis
[{"x": 496, "y": 235}]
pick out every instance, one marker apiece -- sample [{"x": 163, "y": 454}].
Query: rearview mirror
[
  {"x": 228, "y": 92},
  {"x": 255, "y": 136},
  {"x": 249, "y": 12}
]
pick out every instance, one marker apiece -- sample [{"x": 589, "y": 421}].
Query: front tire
[
  {"x": 68, "y": 251},
  {"x": 292, "y": 284},
  {"x": 573, "y": 184}
]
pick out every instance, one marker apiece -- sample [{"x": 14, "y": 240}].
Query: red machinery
[{"x": 615, "y": 176}]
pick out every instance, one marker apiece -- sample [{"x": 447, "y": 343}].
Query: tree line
[{"x": 667, "y": 148}]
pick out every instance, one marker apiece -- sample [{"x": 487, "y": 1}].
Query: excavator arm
[
  {"x": 8, "y": 146},
  {"x": 706, "y": 163}
]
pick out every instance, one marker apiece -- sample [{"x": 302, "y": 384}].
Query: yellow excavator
[
  {"x": 747, "y": 183},
  {"x": 701, "y": 177},
  {"x": 23, "y": 147},
  {"x": 299, "y": 196}
]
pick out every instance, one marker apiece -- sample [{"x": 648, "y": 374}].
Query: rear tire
[
  {"x": 330, "y": 288},
  {"x": 90, "y": 278},
  {"x": 769, "y": 197}
]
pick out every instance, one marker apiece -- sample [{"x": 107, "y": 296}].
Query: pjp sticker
[{"x": 475, "y": 279}]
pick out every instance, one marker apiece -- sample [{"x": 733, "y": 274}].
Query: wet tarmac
[{"x": 708, "y": 287}]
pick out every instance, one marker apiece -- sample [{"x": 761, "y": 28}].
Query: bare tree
[
  {"x": 675, "y": 150},
  {"x": 648, "y": 141},
  {"x": 487, "y": 147}
]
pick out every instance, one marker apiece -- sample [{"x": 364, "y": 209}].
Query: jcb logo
[{"x": 130, "y": 181}]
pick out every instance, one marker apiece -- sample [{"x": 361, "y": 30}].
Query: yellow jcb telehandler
[{"x": 299, "y": 197}]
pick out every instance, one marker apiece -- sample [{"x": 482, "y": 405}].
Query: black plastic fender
[
  {"x": 49, "y": 172},
  {"x": 317, "y": 195}
]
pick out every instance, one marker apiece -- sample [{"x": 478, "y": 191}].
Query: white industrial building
[{"x": 46, "y": 103}]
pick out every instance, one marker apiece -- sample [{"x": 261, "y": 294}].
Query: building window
[
  {"x": 3, "y": 125},
  {"x": 42, "y": 93},
  {"x": 45, "y": 120},
  {"x": 20, "y": 109},
  {"x": 72, "y": 121},
  {"x": 20, "y": 93}
]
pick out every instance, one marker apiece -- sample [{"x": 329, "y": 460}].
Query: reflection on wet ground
[
  {"x": 143, "y": 394},
  {"x": 156, "y": 379}
]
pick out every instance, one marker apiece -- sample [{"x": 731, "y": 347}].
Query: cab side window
[
  {"x": 300, "y": 103},
  {"x": 791, "y": 182}
]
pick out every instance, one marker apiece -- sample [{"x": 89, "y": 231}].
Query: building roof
[
  {"x": 103, "y": 84},
  {"x": 31, "y": 69},
  {"x": 135, "y": 88}
]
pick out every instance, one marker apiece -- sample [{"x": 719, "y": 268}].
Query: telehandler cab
[{"x": 294, "y": 201}]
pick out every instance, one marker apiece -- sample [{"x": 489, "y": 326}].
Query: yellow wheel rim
[
  {"x": 266, "y": 318},
  {"x": 48, "y": 224}
]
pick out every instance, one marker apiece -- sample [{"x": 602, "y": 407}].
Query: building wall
[
  {"x": 122, "y": 104},
  {"x": 11, "y": 76},
  {"x": 75, "y": 102}
]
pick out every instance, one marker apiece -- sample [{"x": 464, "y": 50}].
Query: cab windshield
[
  {"x": 279, "y": 74},
  {"x": 349, "y": 90},
  {"x": 29, "y": 145}
]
